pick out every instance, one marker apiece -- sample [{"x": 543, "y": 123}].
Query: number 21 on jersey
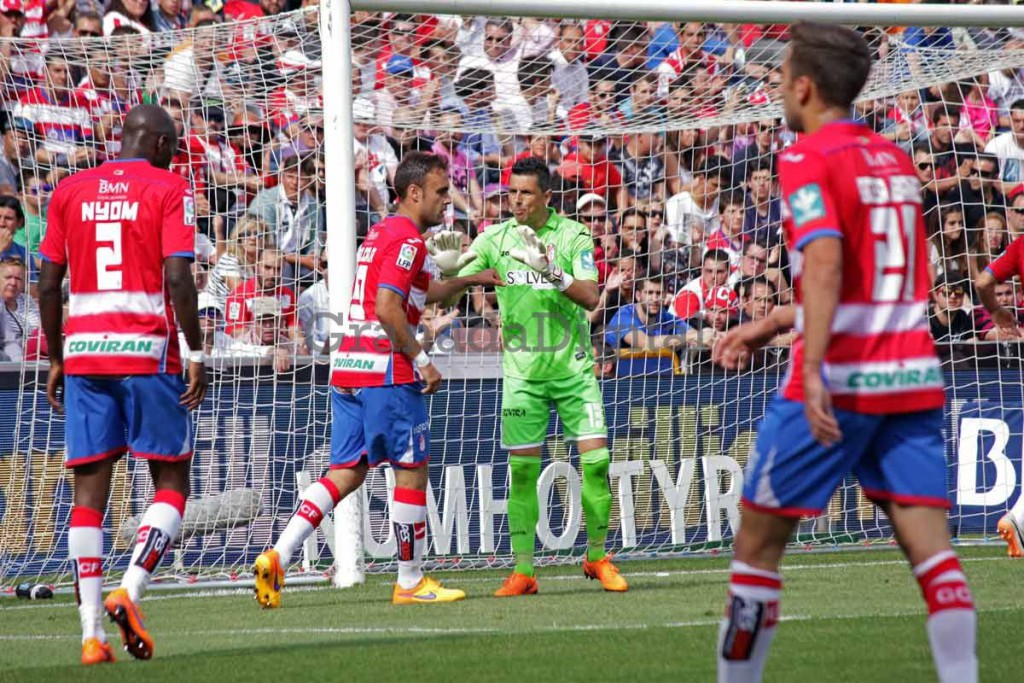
[{"x": 895, "y": 230}]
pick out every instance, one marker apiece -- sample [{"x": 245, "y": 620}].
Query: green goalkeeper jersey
[{"x": 545, "y": 334}]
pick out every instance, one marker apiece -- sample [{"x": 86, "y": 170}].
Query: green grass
[{"x": 851, "y": 616}]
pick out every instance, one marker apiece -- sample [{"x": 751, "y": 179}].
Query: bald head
[{"x": 149, "y": 134}]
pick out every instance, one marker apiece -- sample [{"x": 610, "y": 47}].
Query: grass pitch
[{"x": 851, "y": 616}]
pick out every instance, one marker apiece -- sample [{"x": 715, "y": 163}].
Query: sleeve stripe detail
[
  {"x": 393, "y": 288},
  {"x": 815, "y": 234},
  {"x": 183, "y": 254}
]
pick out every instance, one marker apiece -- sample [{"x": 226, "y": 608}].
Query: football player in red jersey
[
  {"x": 379, "y": 374},
  {"x": 123, "y": 389},
  {"x": 865, "y": 391}
]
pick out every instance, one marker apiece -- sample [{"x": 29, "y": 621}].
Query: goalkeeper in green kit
[{"x": 547, "y": 263}]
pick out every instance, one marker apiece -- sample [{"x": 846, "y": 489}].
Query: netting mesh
[{"x": 660, "y": 138}]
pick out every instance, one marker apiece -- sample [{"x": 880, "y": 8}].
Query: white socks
[
  {"x": 317, "y": 501},
  {"x": 952, "y": 620},
  {"x": 409, "y": 518},
  {"x": 85, "y": 550},
  {"x": 748, "y": 628},
  {"x": 158, "y": 530}
]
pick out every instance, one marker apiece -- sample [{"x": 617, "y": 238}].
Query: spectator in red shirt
[
  {"x": 267, "y": 283},
  {"x": 599, "y": 109},
  {"x": 590, "y": 164}
]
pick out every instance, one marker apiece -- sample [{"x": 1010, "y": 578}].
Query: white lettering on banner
[
  {"x": 625, "y": 471},
  {"x": 676, "y": 493},
  {"x": 718, "y": 501},
  {"x": 1000, "y": 490},
  {"x": 572, "y": 500},
  {"x": 490, "y": 507},
  {"x": 455, "y": 514},
  {"x": 455, "y": 517}
]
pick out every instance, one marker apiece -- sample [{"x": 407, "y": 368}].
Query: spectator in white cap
[
  {"x": 299, "y": 93},
  {"x": 374, "y": 156}
]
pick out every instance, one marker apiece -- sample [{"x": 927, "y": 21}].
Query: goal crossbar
[{"x": 727, "y": 11}]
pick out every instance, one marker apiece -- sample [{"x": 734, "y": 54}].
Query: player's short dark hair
[
  {"x": 733, "y": 198},
  {"x": 632, "y": 212},
  {"x": 473, "y": 81},
  {"x": 985, "y": 156},
  {"x": 759, "y": 164},
  {"x": 754, "y": 243},
  {"x": 744, "y": 287},
  {"x": 654, "y": 280},
  {"x": 836, "y": 59},
  {"x": 11, "y": 202},
  {"x": 1017, "y": 105},
  {"x": 720, "y": 255},
  {"x": 538, "y": 168},
  {"x": 298, "y": 163},
  {"x": 945, "y": 111},
  {"x": 414, "y": 168}
]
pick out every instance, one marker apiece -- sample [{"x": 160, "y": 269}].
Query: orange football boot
[
  {"x": 607, "y": 573},
  {"x": 517, "y": 584}
]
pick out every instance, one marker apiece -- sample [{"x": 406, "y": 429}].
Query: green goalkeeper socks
[
  {"x": 597, "y": 501},
  {"x": 524, "y": 509}
]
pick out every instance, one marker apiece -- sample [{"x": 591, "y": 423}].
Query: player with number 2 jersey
[{"x": 124, "y": 232}]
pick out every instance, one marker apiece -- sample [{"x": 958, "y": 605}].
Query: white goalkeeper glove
[
  {"x": 541, "y": 258},
  {"x": 446, "y": 249}
]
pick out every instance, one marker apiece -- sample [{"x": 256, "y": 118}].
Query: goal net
[{"x": 660, "y": 138}]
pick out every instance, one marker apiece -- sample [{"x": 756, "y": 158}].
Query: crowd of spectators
[{"x": 637, "y": 122}]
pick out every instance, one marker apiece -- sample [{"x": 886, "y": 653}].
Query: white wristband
[
  {"x": 422, "y": 360},
  {"x": 196, "y": 357},
  {"x": 560, "y": 279}
]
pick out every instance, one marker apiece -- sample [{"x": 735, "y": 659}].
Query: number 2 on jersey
[
  {"x": 894, "y": 262},
  {"x": 108, "y": 258}
]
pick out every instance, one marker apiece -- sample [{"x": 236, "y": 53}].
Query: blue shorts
[
  {"x": 899, "y": 458},
  {"x": 140, "y": 413},
  {"x": 381, "y": 424}
]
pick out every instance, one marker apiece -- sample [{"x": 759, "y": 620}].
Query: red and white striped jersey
[
  {"x": 845, "y": 181},
  {"x": 394, "y": 257},
  {"x": 113, "y": 225},
  {"x": 61, "y": 123}
]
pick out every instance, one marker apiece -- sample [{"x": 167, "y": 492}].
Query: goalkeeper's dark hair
[
  {"x": 414, "y": 168},
  {"x": 836, "y": 58},
  {"x": 538, "y": 168}
]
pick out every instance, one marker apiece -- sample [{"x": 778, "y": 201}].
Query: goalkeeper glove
[
  {"x": 541, "y": 258},
  {"x": 446, "y": 249}
]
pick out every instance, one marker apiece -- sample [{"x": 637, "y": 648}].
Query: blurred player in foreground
[
  {"x": 378, "y": 378},
  {"x": 126, "y": 232},
  {"x": 547, "y": 264},
  {"x": 1004, "y": 269},
  {"x": 865, "y": 388}
]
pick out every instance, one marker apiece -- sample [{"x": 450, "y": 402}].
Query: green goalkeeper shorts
[{"x": 526, "y": 410}]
